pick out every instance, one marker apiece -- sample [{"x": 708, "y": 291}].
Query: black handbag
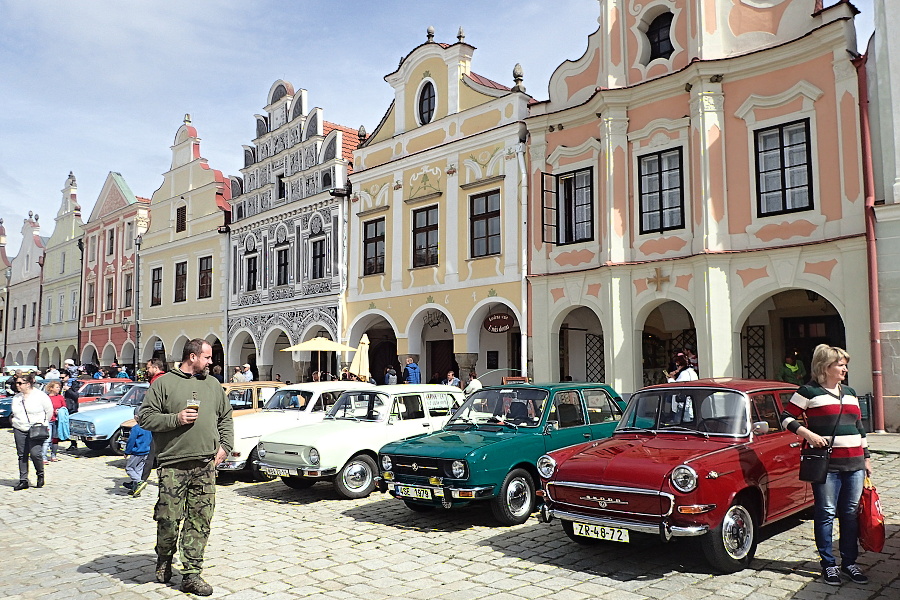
[
  {"x": 38, "y": 432},
  {"x": 814, "y": 461}
]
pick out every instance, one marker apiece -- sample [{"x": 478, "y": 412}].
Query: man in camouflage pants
[{"x": 190, "y": 417}]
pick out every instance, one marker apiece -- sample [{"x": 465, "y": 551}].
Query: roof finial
[
  {"x": 361, "y": 134},
  {"x": 30, "y": 213},
  {"x": 518, "y": 76},
  {"x": 187, "y": 118},
  {"x": 430, "y": 34},
  {"x": 36, "y": 217},
  {"x": 461, "y": 35}
]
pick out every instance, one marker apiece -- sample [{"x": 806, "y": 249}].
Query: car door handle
[
  {"x": 795, "y": 444},
  {"x": 426, "y": 424},
  {"x": 587, "y": 436}
]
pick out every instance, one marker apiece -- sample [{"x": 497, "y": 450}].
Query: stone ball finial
[
  {"x": 36, "y": 217},
  {"x": 429, "y": 33},
  {"x": 461, "y": 35},
  {"x": 518, "y": 76},
  {"x": 30, "y": 213}
]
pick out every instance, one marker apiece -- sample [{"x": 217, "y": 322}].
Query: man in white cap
[
  {"x": 71, "y": 368},
  {"x": 248, "y": 374}
]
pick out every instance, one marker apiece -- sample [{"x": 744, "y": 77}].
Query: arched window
[
  {"x": 426, "y": 103},
  {"x": 658, "y": 34}
]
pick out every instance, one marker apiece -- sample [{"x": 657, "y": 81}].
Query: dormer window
[
  {"x": 659, "y": 36},
  {"x": 426, "y": 103}
]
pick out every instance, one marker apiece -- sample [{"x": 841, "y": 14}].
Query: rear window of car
[{"x": 289, "y": 399}]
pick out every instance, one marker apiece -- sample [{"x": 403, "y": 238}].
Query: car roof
[
  {"x": 407, "y": 388},
  {"x": 328, "y": 386},
  {"x": 728, "y": 383},
  {"x": 554, "y": 386}
]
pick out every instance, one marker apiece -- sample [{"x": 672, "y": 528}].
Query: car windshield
[
  {"x": 705, "y": 411},
  {"x": 522, "y": 407},
  {"x": 289, "y": 399},
  {"x": 134, "y": 396},
  {"x": 360, "y": 406}
]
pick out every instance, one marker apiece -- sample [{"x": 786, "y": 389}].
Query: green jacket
[{"x": 168, "y": 395}]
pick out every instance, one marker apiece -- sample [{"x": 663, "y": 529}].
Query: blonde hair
[
  {"x": 823, "y": 357},
  {"x": 54, "y": 384}
]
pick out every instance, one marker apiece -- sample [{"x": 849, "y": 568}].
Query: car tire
[
  {"x": 255, "y": 471},
  {"x": 569, "y": 530},
  {"x": 114, "y": 443},
  {"x": 97, "y": 444},
  {"x": 418, "y": 506},
  {"x": 356, "y": 479},
  {"x": 298, "y": 483},
  {"x": 516, "y": 500},
  {"x": 732, "y": 544}
]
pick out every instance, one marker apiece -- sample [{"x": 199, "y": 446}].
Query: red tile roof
[
  {"x": 487, "y": 82},
  {"x": 349, "y": 141}
]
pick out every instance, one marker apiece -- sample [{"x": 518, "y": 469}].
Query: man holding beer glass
[{"x": 190, "y": 417}]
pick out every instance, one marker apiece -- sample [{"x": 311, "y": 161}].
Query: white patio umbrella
[
  {"x": 319, "y": 345},
  {"x": 360, "y": 364}
]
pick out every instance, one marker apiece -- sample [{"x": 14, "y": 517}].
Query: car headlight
[
  {"x": 458, "y": 468},
  {"x": 386, "y": 463},
  {"x": 546, "y": 466},
  {"x": 684, "y": 478},
  {"x": 261, "y": 450},
  {"x": 91, "y": 429},
  {"x": 313, "y": 456}
]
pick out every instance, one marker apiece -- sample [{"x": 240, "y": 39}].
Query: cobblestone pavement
[{"x": 83, "y": 537}]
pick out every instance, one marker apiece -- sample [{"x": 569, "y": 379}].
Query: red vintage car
[{"x": 704, "y": 458}]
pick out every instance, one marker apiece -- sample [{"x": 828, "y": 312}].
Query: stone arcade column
[{"x": 466, "y": 362}]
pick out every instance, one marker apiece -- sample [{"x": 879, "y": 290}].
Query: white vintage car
[
  {"x": 344, "y": 447},
  {"x": 289, "y": 406}
]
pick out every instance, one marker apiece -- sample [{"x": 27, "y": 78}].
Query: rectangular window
[
  {"x": 204, "y": 281},
  {"x": 92, "y": 248},
  {"x": 129, "y": 235},
  {"x": 425, "y": 237},
  {"x": 74, "y": 306},
  {"x": 62, "y": 308},
  {"x": 575, "y": 207},
  {"x": 33, "y": 314},
  {"x": 318, "y": 259},
  {"x": 181, "y": 218},
  {"x": 280, "y": 188},
  {"x": 110, "y": 302},
  {"x": 129, "y": 290},
  {"x": 281, "y": 266},
  {"x": 15, "y": 316},
  {"x": 180, "y": 281},
  {"x": 251, "y": 273},
  {"x": 110, "y": 242},
  {"x": 373, "y": 247},
  {"x": 49, "y": 310},
  {"x": 485, "y": 224},
  {"x": 62, "y": 262},
  {"x": 661, "y": 191},
  {"x": 156, "y": 286},
  {"x": 89, "y": 301},
  {"x": 1, "y": 320},
  {"x": 784, "y": 169}
]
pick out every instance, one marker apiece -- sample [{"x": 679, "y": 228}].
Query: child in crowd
[{"x": 137, "y": 451}]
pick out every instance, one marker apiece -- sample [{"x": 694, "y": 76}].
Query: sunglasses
[{"x": 21, "y": 381}]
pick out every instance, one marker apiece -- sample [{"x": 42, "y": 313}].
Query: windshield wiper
[
  {"x": 496, "y": 421},
  {"x": 631, "y": 428},
  {"x": 681, "y": 429},
  {"x": 461, "y": 421}
]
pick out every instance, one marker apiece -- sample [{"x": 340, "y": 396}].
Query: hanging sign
[
  {"x": 498, "y": 323},
  {"x": 157, "y": 345}
]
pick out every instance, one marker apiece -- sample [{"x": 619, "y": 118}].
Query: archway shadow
[{"x": 394, "y": 513}]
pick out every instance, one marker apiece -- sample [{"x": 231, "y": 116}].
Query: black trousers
[{"x": 26, "y": 447}]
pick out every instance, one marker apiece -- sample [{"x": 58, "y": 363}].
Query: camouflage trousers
[{"x": 187, "y": 492}]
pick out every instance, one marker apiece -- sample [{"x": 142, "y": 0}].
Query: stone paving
[{"x": 82, "y": 537}]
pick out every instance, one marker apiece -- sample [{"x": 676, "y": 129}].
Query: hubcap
[
  {"x": 357, "y": 476},
  {"x": 517, "y": 497},
  {"x": 737, "y": 532}
]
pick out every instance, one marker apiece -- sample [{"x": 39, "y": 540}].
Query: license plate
[
  {"x": 413, "y": 492},
  {"x": 278, "y": 472},
  {"x": 598, "y": 532}
]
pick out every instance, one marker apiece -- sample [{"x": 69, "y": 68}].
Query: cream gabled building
[
  {"x": 183, "y": 256},
  {"x": 62, "y": 282},
  {"x": 288, "y": 238},
  {"x": 436, "y": 260},
  {"x": 23, "y": 334}
]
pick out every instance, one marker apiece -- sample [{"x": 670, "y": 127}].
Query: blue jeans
[{"x": 838, "y": 496}]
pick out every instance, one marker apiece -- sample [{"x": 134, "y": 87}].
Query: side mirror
[
  {"x": 760, "y": 428},
  {"x": 550, "y": 427}
]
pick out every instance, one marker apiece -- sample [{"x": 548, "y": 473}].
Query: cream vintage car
[
  {"x": 289, "y": 406},
  {"x": 343, "y": 448}
]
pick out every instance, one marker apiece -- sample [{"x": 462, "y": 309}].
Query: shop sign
[{"x": 498, "y": 323}]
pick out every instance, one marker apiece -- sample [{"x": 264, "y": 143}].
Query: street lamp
[
  {"x": 8, "y": 274},
  {"x": 137, "y": 299}
]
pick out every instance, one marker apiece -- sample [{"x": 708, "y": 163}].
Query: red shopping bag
[{"x": 871, "y": 519}]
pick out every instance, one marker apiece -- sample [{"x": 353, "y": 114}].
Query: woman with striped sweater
[{"x": 831, "y": 407}]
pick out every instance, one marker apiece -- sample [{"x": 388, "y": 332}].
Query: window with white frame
[
  {"x": 110, "y": 300},
  {"x": 568, "y": 209},
  {"x": 62, "y": 308},
  {"x": 282, "y": 264},
  {"x": 110, "y": 242},
  {"x": 49, "y": 310},
  {"x": 89, "y": 301},
  {"x": 251, "y": 273},
  {"x": 373, "y": 247},
  {"x": 425, "y": 236},
  {"x": 783, "y": 169},
  {"x": 129, "y": 290},
  {"x": 317, "y": 248},
  {"x": 661, "y": 191},
  {"x": 180, "y": 281},
  {"x": 484, "y": 223}
]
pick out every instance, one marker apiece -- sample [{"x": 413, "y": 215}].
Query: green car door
[
  {"x": 568, "y": 421},
  {"x": 604, "y": 413}
]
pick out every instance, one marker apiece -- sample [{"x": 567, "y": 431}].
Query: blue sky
[{"x": 93, "y": 86}]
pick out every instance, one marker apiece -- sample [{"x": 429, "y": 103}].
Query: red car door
[{"x": 780, "y": 456}]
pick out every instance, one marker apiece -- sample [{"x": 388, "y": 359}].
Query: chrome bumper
[
  {"x": 232, "y": 466},
  {"x": 314, "y": 472},
  {"x": 483, "y": 491},
  {"x": 661, "y": 527}
]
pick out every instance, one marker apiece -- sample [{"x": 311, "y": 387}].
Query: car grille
[
  {"x": 81, "y": 427},
  {"x": 610, "y": 500},
  {"x": 421, "y": 466}
]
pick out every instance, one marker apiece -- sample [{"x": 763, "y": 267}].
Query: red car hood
[{"x": 634, "y": 461}]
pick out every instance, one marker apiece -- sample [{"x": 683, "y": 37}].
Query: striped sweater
[{"x": 822, "y": 408}]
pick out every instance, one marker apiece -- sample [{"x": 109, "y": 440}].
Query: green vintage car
[{"x": 488, "y": 449}]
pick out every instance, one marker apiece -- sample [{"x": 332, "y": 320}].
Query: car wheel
[
  {"x": 255, "y": 471},
  {"x": 357, "y": 478},
  {"x": 730, "y": 546},
  {"x": 569, "y": 529},
  {"x": 114, "y": 440},
  {"x": 298, "y": 483},
  {"x": 515, "y": 502},
  {"x": 97, "y": 444},
  {"x": 419, "y": 507}
]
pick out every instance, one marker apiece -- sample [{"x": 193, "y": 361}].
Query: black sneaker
[
  {"x": 22, "y": 485},
  {"x": 128, "y": 485},
  {"x": 855, "y": 574},
  {"x": 192, "y": 583},
  {"x": 164, "y": 569},
  {"x": 830, "y": 575}
]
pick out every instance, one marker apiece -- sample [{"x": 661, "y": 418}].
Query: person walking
[
  {"x": 71, "y": 397},
  {"x": 51, "y": 445},
  {"x": 30, "y": 406},
  {"x": 155, "y": 369},
  {"x": 248, "y": 374},
  {"x": 411, "y": 373},
  {"x": 190, "y": 418},
  {"x": 238, "y": 376},
  {"x": 833, "y": 416},
  {"x": 137, "y": 454}
]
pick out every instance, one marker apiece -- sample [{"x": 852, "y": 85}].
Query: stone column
[
  {"x": 301, "y": 371},
  {"x": 264, "y": 372},
  {"x": 466, "y": 362}
]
